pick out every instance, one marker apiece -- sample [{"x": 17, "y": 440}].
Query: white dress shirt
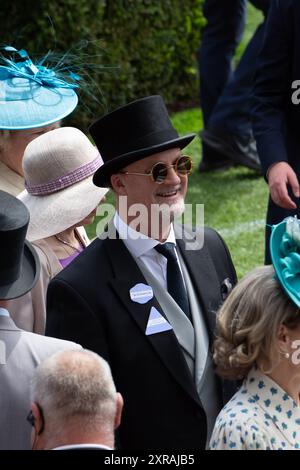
[
  {"x": 142, "y": 247},
  {"x": 4, "y": 312}
]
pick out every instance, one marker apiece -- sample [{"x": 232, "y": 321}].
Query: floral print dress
[{"x": 260, "y": 416}]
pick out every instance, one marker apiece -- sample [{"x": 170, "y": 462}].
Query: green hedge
[{"x": 147, "y": 46}]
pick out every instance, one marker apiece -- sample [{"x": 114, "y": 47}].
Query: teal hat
[
  {"x": 31, "y": 94},
  {"x": 285, "y": 254}
]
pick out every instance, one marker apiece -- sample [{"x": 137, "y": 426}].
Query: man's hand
[{"x": 280, "y": 176}]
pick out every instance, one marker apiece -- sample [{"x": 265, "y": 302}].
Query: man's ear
[
  {"x": 117, "y": 184},
  {"x": 119, "y": 408},
  {"x": 38, "y": 418}
]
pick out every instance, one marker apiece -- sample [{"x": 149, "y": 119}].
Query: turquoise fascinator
[
  {"x": 285, "y": 253},
  {"x": 32, "y": 94}
]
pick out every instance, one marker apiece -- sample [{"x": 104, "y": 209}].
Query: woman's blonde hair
[{"x": 248, "y": 323}]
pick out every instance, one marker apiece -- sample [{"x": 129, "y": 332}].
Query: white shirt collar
[
  {"x": 4, "y": 312},
  {"x": 137, "y": 243},
  {"x": 89, "y": 446}
]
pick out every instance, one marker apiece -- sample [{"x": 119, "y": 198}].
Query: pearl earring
[{"x": 286, "y": 355}]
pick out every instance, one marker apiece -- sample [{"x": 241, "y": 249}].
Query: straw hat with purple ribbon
[{"x": 58, "y": 169}]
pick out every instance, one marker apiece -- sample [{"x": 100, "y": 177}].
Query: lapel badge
[
  {"x": 141, "y": 293},
  {"x": 156, "y": 323}
]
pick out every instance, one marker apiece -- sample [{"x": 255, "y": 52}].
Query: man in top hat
[
  {"x": 33, "y": 99},
  {"x": 141, "y": 299},
  {"x": 20, "y": 351}
]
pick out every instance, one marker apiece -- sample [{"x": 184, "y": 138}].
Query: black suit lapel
[
  {"x": 126, "y": 275},
  {"x": 205, "y": 280}
]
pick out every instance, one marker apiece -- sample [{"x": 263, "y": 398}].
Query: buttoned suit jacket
[
  {"x": 276, "y": 113},
  {"x": 276, "y": 117},
  {"x": 89, "y": 302},
  {"x": 21, "y": 352}
]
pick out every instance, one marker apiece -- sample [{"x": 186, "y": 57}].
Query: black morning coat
[{"x": 89, "y": 302}]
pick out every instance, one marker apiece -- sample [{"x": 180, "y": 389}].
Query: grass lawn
[{"x": 235, "y": 200}]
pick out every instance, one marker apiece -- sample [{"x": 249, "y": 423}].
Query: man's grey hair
[{"x": 73, "y": 384}]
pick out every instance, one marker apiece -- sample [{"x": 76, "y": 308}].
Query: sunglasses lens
[
  {"x": 159, "y": 172},
  {"x": 184, "y": 166}
]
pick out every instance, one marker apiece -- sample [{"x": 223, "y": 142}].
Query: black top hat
[
  {"x": 19, "y": 263},
  {"x": 132, "y": 132}
]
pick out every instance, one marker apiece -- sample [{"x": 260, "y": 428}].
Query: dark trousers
[{"x": 226, "y": 95}]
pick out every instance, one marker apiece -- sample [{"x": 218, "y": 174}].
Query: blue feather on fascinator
[
  {"x": 285, "y": 253},
  {"x": 39, "y": 91},
  {"x": 26, "y": 69}
]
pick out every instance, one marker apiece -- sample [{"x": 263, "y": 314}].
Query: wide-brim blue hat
[
  {"x": 32, "y": 95},
  {"x": 285, "y": 254}
]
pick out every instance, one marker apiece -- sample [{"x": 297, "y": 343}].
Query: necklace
[{"x": 68, "y": 244}]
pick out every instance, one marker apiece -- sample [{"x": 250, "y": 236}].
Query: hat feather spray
[
  {"x": 38, "y": 93},
  {"x": 32, "y": 94},
  {"x": 38, "y": 73}
]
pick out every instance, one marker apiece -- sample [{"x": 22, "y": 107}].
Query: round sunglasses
[{"x": 159, "y": 172}]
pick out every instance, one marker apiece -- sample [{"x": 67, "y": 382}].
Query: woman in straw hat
[
  {"x": 33, "y": 99},
  {"x": 61, "y": 198},
  {"x": 258, "y": 340}
]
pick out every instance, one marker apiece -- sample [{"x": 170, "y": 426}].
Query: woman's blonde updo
[{"x": 248, "y": 323}]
